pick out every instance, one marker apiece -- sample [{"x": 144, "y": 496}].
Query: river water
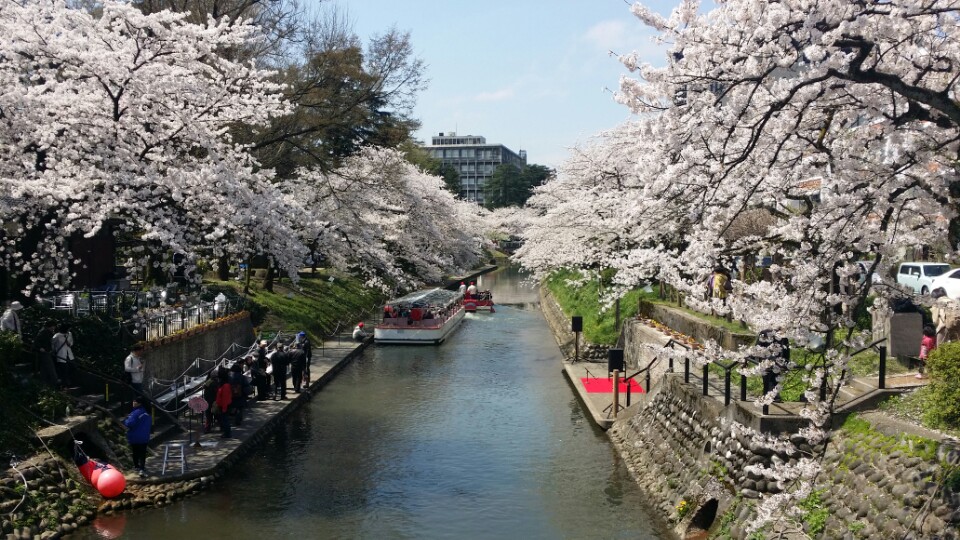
[{"x": 480, "y": 437}]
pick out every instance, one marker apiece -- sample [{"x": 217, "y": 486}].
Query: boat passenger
[
  {"x": 428, "y": 314},
  {"x": 462, "y": 289},
  {"x": 471, "y": 290},
  {"x": 387, "y": 312}
]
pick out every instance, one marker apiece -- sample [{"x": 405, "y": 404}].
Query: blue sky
[{"x": 529, "y": 74}]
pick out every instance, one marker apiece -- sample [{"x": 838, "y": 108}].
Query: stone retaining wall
[
  {"x": 684, "y": 452},
  {"x": 696, "y": 327},
  {"x": 171, "y": 357},
  {"x": 690, "y": 455}
]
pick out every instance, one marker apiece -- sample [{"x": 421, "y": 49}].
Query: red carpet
[{"x": 606, "y": 385}]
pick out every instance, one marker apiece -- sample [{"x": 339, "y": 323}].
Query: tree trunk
[
  {"x": 223, "y": 268},
  {"x": 246, "y": 278},
  {"x": 268, "y": 281}
]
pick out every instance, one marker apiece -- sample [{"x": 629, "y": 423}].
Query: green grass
[
  {"x": 316, "y": 305},
  {"x": 584, "y": 300},
  {"x": 912, "y": 445}
]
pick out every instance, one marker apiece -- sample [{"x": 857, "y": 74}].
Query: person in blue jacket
[{"x": 138, "y": 425}]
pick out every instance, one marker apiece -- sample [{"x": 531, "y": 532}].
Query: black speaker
[
  {"x": 577, "y": 325},
  {"x": 615, "y": 361}
]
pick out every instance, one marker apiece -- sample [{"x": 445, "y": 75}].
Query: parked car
[
  {"x": 919, "y": 276},
  {"x": 949, "y": 282},
  {"x": 864, "y": 267}
]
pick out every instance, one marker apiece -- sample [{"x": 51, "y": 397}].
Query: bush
[{"x": 943, "y": 402}]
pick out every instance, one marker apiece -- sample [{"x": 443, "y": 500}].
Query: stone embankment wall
[
  {"x": 696, "y": 327},
  {"x": 173, "y": 356},
  {"x": 692, "y": 459},
  {"x": 694, "y": 468}
]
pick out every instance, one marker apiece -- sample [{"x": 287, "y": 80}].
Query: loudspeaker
[
  {"x": 577, "y": 324},
  {"x": 615, "y": 361}
]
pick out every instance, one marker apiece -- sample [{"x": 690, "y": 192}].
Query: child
[{"x": 927, "y": 345}]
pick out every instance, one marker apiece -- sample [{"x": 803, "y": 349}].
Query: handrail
[
  {"x": 109, "y": 379},
  {"x": 672, "y": 342}
]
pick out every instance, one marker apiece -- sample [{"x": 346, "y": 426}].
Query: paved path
[{"x": 215, "y": 452}]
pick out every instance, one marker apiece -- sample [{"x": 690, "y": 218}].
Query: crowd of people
[{"x": 259, "y": 376}]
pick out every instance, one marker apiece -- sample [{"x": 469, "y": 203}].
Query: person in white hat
[{"x": 10, "y": 321}]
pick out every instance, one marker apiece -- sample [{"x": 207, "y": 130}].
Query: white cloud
[
  {"x": 608, "y": 35},
  {"x": 497, "y": 95}
]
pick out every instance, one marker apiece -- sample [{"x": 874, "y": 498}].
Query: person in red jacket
[{"x": 224, "y": 398}]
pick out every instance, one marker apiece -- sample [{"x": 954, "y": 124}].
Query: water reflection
[{"x": 480, "y": 437}]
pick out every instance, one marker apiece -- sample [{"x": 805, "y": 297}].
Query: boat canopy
[{"x": 431, "y": 297}]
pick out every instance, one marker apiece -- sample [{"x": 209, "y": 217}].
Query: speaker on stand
[{"x": 576, "y": 326}]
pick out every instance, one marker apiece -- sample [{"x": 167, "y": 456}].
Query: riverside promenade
[{"x": 214, "y": 454}]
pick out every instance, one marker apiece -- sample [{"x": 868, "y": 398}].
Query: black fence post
[
  {"x": 647, "y": 390},
  {"x": 706, "y": 371},
  {"x": 882, "y": 382},
  {"x": 629, "y": 383},
  {"x": 743, "y": 387},
  {"x": 670, "y": 365},
  {"x": 686, "y": 370},
  {"x": 726, "y": 387}
]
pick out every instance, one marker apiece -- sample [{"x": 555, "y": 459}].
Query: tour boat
[
  {"x": 423, "y": 317},
  {"x": 482, "y": 301}
]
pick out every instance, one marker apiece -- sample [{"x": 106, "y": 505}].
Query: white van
[{"x": 919, "y": 275}]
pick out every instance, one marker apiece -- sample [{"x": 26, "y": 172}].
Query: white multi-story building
[{"x": 474, "y": 159}]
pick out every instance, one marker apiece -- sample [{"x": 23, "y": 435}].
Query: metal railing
[
  {"x": 728, "y": 372},
  {"x": 166, "y": 321},
  {"x": 144, "y": 314}
]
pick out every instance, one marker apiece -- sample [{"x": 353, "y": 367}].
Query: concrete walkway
[
  {"x": 861, "y": 394},
  {"x": 215, "y": 453}
]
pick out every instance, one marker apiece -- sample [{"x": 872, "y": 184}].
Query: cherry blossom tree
[
  {"x": 124, "y": 116},
  {"x": 837, "y": 118},
  {"x": 386, "y": 219}
]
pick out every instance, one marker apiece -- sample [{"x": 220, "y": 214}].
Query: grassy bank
[
  {"x": 584, "y": 299},
  {"x": 319, "y": 304}
]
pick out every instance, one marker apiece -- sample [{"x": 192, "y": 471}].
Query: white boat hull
[{"x": 418, "y": 335}]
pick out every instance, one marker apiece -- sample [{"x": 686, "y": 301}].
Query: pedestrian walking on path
[{"x": 138, "y": 425}]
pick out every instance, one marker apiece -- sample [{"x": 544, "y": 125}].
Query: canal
[{"x": 480, "y": 437}]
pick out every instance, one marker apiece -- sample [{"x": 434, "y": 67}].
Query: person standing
[
  {"x": 279, "y": 361},
  {"x": 138, "y": 425},
  {"x": 239, "y": 386},
  {"x": 133, "y": 366},
  {"x": 472, "y": 290},
  {"x": 463, "y": 289},
  {"x": 41, "y": 346},
  {"x": 927, "y": 344},
  {"x": 223, "y": 401},
  {"x": 62, "y": 346},
  {"x": 308, "y": 352},
  {"x": 719, "y": 285},
  {"x": 263, "y": 362},
  {"x": 10, "y": 320},
  {"x": 298, "y": 362}
]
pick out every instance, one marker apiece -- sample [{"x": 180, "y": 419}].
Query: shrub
[{"x": 943, "y": 403}]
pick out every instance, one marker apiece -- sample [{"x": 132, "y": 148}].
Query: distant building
[{"x": 474, "y": 159}]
